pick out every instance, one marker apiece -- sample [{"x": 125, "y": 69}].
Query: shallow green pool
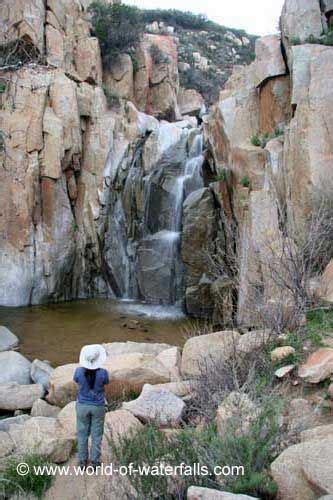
[{"x": 56, "y": 332}]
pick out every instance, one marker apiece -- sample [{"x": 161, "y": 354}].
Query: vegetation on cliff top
[{"x": 207, "y": 51}]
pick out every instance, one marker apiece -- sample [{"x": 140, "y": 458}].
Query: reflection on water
[{"x": 56, "y": 332}]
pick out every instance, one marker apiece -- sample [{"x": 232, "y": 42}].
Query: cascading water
[{"x": 153, "y": 271}]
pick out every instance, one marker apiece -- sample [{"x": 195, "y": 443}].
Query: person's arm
[{"x": 76, "y": 377}]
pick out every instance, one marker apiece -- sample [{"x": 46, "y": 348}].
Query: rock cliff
[
  {"x": 113, "y": 200},
  {"x": 270, "y": 137}
]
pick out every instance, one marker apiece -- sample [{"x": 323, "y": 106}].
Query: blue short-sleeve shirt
[{"x": 95, "y": 396}]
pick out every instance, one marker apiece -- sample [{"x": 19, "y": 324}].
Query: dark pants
[{"x": 89, "y": 422}]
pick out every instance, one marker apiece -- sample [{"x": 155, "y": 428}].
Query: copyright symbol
[{"x": 22, "y": 469}]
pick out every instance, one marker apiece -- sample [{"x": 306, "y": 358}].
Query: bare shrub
[{"x": 251, "y": 374}]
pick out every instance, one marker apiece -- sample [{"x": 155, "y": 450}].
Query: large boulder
[
  {"x": 129, "y": 347},
  {"x": 67, "y": 419},
  {"x": 200, "y": 229},
  {"x": 14, "y": 396},
  {"x": 253, "y": 341},
  {"x": 199, "y": 493},
  {"x": 127, "y": 372},
  {"x": 269, "y": 60},
  {"x": 319, "y": 432},
  {"x": 41, "y": 408},
  {"x": 41, "y": 372},
  {"x": 300, "y": 20},
  {"x": 62, "y": 388},
  {"x": 14, "y": 368},
  {"x": 318, "y": 367},
  {"x": 7, "y": 339},
  {"x": 156, "y": 82},
  {"x": 41, "y": 435},
  {"x": 6, "y": 423},
  {"x": 304, "y": 470},
  {"x": 157, "y": 406},
  {"x": 203, "y": 351},
  {"x": 190, "y": 102},
  {"x": 121, "y": 424}
]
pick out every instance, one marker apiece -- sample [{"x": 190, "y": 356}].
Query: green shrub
[
  {"x": 186, "y": 20},
  {"x": 118, "y": 27},
  {"x": 157, "y": 55},
  {"x": 3, "y": 87},
  {"x": 255, "y": 140},
  {"x": 245, "y": 182},
  {"x": 13, "y": 483},
  {"x": 254, "y": 452},
  {"x": 223, "y": 176}
]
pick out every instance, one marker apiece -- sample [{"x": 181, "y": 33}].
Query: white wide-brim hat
[{"x": 92, "y": 356}]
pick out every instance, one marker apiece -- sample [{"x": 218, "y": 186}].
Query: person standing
[{"x": 90, "y": 404}]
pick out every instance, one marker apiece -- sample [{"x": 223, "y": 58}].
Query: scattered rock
[
  {"x": 251, "y": 341},
  {"x": 280, "y": 353},
  {"x": 203, "y": 350},
  {"x": 41, "y": 372},
  {"x": 318, "y": 367},
  {"x": 14, "y": 368},
  {"x": 198, "y": 493},
  {"x": 7, "y": 339},
  {"x": 301, "y": 415},
  {"x": 41, "y": 435},
  {"x": 7, "y": 422},
  {"x": 285, "y": 370},
  {"x": 14, "y": 396},
  {"x": 241, "y": 409},
  {"x": 41, "y": 408},
  {"x": 305, "y": 469},
  {"x": 161, "y": 407},
  {"x": 121, "y": 423}
]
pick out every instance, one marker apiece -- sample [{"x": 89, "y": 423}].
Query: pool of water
[{"x": 56, "y": 332}]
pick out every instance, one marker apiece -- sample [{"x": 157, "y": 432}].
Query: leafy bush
[
  {"x": 255, "y": 140},
  {"x": 13, "y": 483},
  {"x": 157, "y": 55},
  {"x": 223, "y": 176},
  {"x": 118, "y": 27},
  {"x": 245, "y": 182},
  {"x": 254, "y": 452},
  {"x": 3, "y": 87}
]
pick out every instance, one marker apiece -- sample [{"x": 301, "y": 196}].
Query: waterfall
[{"x": 150, "y": 238}]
